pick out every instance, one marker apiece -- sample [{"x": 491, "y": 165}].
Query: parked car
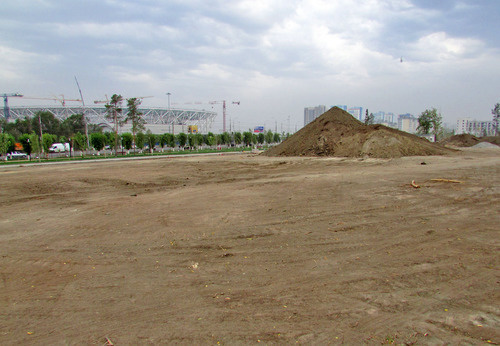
[{"x": 16, "y": 155}]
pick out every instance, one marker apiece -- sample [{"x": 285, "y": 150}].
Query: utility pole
[
  {"x": 41, "y": 134},
  {"x": 224, "y": 116}
]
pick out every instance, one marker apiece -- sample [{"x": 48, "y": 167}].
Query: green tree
[
  {"x": 193, "y": 141},
  {"x": 25, "y": 141},
  {"x": 7, "y": 143},
  {"x": 225, "y": 138},
  {"x": 18, "y": 127},
  {"x": 163, "y": 140},
  {"x": 114, "y": 113},
  {"x": 47, "y": 140},
  {"x": 111, "y": 140},
  {"x": 218, "y": 139},
  {"x": 496, "y": 117},
  {"x": 134, "y": 116},
  {"x": 247, "y": 138},
  {"x": 50, "y": 124},
  {"x": 429, "y": 120},
  {"x": 127, "y": 140},
  {"x": 35, "y": 144},
  {"x": 369, "y": 118},
  {"x": 255, "y": 139},
  {"x": 73, "y": 124},
  {"x": 209, "y": 139},
  {"x": 98, "y": 141},
  {"x": 276, "y": 137},
  {"x": 269, "y": 137},
  {"x": 261, "y": 138},
  {"x": 4, "y": 125},
  {"x": 79, "y": 141},
  {"x": 140, "y": 140},
  {"x": 170, "y": 140},
  {"x": 182, "y": 139},
  {"x": 199, "y": 139},
  {"x": 151, "y": 138},
  {"x": 238, "y": 139}
]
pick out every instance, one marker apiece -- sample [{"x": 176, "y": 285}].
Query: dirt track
[{"x": 252, "y": 249}]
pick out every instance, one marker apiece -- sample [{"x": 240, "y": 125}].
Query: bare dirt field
[{"x": 246, "y": 249}]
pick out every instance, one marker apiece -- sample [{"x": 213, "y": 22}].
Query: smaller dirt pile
[
  {"x": 463, "y": 140},
  {"x": 467, "y": 140},
  {"x": 337, "y": 133}
]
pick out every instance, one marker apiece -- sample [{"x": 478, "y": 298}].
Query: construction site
[
  {"x": 157, "y": 119},
  {"x": 345, "y": 233}
]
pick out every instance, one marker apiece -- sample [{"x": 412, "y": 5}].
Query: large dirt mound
[
  {"x": 463, "y": 140},
  {"x": 337, "y": 133}
]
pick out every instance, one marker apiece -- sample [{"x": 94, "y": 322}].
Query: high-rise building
[
  {"x": 379, "y": 117},
  {"x": 357, "y": 112},
  {"x": 311, "y": 113},
  {"x": 475, "y": 127},
  {"x": 389, "y": 117},
  {"x": 407, "y": 123}
]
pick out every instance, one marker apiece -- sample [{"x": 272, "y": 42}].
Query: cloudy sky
[{"x": 275, "y": 56}]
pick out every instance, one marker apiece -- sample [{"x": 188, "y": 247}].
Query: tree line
[{"x": 72, "y": 129}]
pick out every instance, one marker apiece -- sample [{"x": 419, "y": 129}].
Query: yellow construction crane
[{"x": 61, "y": 99}]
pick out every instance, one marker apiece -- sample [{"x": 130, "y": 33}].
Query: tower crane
[
  {"x": 55, "y": 98},
  {"x": 6, "y": 110},
  {"x": 224, "y": 111},
  {"x": 63, "y": 100},
  {"x": 102, "y": 101}
]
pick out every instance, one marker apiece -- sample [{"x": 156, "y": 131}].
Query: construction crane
[
  {"x": 107, "y": 99},
  {"x": 102, "y": 101},
  {"x": 6, "y": 110},
  {"x": 223, "y": 102},
  {"x": 62, "y": 100},
  {"x": 224, "y": 111}
]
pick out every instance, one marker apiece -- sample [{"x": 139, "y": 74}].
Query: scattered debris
[
  {"x": 414, "y": 184},
  {"x": 448, "y": 181}
]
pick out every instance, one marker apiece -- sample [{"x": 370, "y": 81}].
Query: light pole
[
  {"x": 168, "y": 94},
  {"x": 173, "y": 124}
]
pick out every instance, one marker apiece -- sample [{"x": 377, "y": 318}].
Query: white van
[{"x": 59, "y": 148}]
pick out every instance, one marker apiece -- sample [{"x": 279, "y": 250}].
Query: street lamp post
[{"x": 168, "y": 95}]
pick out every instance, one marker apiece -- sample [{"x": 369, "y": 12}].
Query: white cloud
[
  {"x": 439, "y": 46},
  {"x": 133, "y": 30},
  {"x": 18, "y": 64}
]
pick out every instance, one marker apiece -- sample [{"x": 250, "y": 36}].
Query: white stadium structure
[{"x": 158, "y": 120}]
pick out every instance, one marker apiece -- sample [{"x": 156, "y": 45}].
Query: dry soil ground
[{"x": 247, "y": 249}]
